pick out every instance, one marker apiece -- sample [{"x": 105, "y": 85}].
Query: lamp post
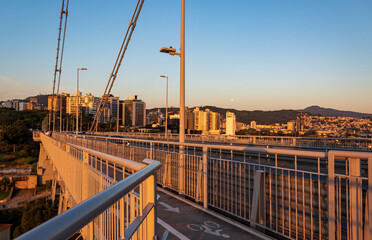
[
  {"x": 172, "y": 51},
  {"x": 77, "y": 100},
  {"x": 166, "y": 109}
]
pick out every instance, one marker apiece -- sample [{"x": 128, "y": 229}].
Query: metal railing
[
  {"x": 364, "y": 144},
  {"x": 109, "y": 197},
  {"x": 288, "y": 193}
]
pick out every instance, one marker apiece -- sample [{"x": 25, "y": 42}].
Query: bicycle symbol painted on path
[{"x": 208, "y": 227}]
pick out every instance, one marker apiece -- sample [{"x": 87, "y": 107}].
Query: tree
[
  {"x": 249, "y": 131},
  {"x": 16, "y": 134},
  {"x": 310, "y": 132},
  {"x": 5, "y": 184},
  {"x": 37, "y": 213}
]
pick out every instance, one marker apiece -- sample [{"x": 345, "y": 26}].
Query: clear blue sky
[{"x": 242, "y": 54}]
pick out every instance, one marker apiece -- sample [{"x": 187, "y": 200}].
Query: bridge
[
  {"x": 134, "y": 186},
  {"x": 109, "y": 189}
]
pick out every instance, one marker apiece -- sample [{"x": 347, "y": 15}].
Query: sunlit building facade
[
  {"x": 230, "y": 123},
  {"x": 134, "y": 112},
  {"x": 214, "y": 121},
  {"x": 57, "y": 102},
  {"x": 90, "y": 104},
  {"x": 72, "y": 102}
]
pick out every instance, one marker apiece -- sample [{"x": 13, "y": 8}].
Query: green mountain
[{"x": 329, "y": 112}]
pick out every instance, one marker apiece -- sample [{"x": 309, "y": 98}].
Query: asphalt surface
[{"x": 184, "y": 222}]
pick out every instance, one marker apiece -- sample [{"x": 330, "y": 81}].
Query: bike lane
[{"x": 184, "y": 221}]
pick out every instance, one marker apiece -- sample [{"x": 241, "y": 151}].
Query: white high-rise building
[
  {"x": 230, "y": 123},
  {"x": 254, "y": 124}
]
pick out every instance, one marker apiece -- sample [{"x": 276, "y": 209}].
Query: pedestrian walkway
[{"x": 184, "y": 221}]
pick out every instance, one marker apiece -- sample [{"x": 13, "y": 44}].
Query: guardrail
[
  {"x": 111, "y": 197},
  {"x": 287, "y": 193},
  {"x": 364, "y": 144}
]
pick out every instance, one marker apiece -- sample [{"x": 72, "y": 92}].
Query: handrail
[
  {"x": 348, "y": 154},
  {"x": 234, "y": 148},
  {"x": 69, "y": 222},
  {"x": 114, "y": 159},
  {"x": 329, "y": 143},
  {"x": 236, "y": 136}
]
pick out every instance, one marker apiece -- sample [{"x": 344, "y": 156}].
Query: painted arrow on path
[{"x": 170, "y": 208}]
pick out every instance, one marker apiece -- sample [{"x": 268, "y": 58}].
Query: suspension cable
[
  {"x": 115, "y": 70},
  {"x": 60, "y": 72},
  {"x": 56, "y": 70}
]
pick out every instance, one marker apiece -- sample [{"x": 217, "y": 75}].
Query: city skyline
[
  {"x": 283, "y": 56},
  {"x": 317, "y": 108}
]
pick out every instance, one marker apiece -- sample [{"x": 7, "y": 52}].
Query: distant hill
[
  {"x": 271, "y": 117},
  {"x": 329, "y": 112},
  {"x": 41, "y": 99},
  {"x": 261, "y": 117}
]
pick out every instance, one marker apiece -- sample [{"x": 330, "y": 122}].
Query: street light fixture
[
  {"x": 78, "y": 99},
  {"x": 166, "y": 108},
  {"x": 172, "y": 51}
]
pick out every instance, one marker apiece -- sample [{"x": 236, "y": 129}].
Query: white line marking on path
[
  {"x": 216, "y": 215},
  {"x": 172, "y": 230},
  {"x": 170, "y": 208}
]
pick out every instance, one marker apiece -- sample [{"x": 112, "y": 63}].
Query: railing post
[
  {"x": 149, "y": 197},
  {"x": 166, "y": 173},
  {"x": 87, "y": 230},
  {"x": 331, "y": 196},
  {"x": 107, "y": 147},
  {"x": 258, "y": 199},
  {"x": 355, "y": 198},
  {"x": 122, "y": 215},
  {"x": 181, "y": 170},
  {"x": 368, "y": 231},
  {"x": 151, "y": 149},
  {"x": 205, "y": 177}
]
